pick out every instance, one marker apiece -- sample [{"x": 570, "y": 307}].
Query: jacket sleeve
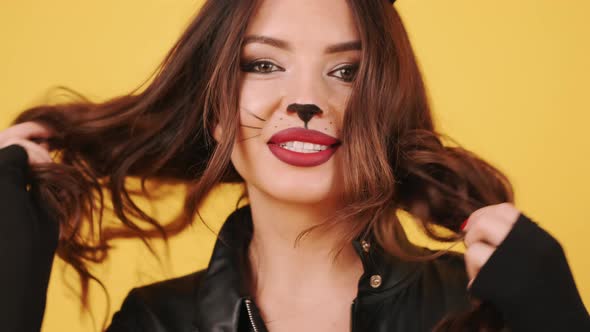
[
  {"x": 28, "y": 240},
  {"x": 529, "y": 281}
]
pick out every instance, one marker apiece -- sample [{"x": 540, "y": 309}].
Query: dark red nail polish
[{"x": 464, "y": 224}]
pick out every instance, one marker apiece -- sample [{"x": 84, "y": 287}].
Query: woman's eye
[
  {"x": 262, "y": 67},
  {"x": 347, "y": 73}
]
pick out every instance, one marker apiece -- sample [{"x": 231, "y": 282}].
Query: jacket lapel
[{"x": 223, "y": 290}]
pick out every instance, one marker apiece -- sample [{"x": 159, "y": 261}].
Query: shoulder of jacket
[
  {"x": 169, "y": 295},
  {"x": 446, "y": 276},
  {"x": 448, "y": 268},
  {"x": 450, "y": 261},
  {"x": 167, "y": 305}
]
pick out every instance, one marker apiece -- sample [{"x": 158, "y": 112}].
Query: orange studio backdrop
[{"x": 507, "y": 79}]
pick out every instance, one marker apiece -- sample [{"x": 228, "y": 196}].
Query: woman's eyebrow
[{"x": 285, "y": 45}]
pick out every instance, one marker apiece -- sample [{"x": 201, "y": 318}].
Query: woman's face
[{"x": 298, "y": 60}]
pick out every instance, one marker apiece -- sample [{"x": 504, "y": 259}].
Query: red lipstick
[{"x": 306, "y": 136}]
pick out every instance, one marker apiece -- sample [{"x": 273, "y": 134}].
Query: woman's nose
[{"x": 305, "y": 111}]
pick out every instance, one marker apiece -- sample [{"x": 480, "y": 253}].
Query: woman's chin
[
  {"x": 300, "y": 193},
  {"x": 303, "y": 198}
]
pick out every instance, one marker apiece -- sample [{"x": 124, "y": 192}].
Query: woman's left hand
[{"x": 485, "y": 229}]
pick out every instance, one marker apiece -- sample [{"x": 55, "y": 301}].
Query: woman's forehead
[{"x": 324, "y": 21}]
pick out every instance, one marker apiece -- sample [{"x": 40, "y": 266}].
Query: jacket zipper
[{"x": 250, "y": 315}]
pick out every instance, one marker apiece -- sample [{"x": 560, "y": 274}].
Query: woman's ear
[{"x": 217, "y": 132}]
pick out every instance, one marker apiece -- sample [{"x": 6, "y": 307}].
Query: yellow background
[{"x": 507, "y": 79}]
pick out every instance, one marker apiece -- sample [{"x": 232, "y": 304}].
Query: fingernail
[{"x": 464, "y": 224}]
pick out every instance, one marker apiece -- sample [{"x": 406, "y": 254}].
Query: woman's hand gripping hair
[
  {"x": 32, "y": 136},
  {"x": 484, "y": 230}
]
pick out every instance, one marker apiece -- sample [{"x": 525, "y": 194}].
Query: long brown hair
[{"x": 394, "y": 157}]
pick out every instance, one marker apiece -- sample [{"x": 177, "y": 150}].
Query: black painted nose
[{"x": 305, "y": 111}]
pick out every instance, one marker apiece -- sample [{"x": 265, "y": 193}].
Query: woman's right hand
[{"x": 32, "y": 136}]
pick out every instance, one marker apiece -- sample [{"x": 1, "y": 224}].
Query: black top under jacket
[{"x": 527, "y": 279}]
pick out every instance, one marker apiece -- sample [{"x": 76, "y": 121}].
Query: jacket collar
[{"x": 223, "y": 289}]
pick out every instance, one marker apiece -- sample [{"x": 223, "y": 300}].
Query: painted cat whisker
[
  {"x": 249, "y": 138},
  {"x": 250, "y": 126},
  {"x": 254, "y": 115}
]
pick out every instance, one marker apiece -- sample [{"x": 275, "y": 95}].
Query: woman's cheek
[
  {"x": 261, "y": 97},
  {"x": 258, "y": 101}
]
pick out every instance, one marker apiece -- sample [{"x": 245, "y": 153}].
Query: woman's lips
[
  {"x": 303, "y": 135},
  {"x": 307, "y": 136}
]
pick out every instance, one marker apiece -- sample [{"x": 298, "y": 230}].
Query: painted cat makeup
[
  {"x": 305, "y": 112},
  {"x": 293, "y": 99},
  {"x": 298, "y": 146}
]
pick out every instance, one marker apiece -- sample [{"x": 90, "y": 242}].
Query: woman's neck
[{"x": 281, "y": 266}]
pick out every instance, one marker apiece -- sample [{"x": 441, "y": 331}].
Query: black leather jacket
[{"x": 393, "y": 295}]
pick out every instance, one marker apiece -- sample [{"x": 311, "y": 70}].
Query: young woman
[{"x": 324, "y": 119}]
